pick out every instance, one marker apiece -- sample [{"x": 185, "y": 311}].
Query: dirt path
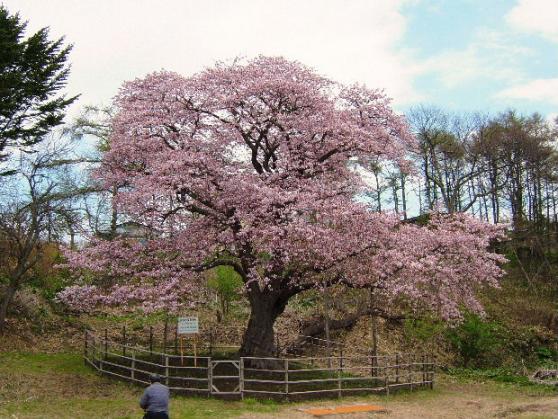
[{"x": 450, "y": 400}]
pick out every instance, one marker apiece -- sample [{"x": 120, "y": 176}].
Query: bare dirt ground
[{"x": 450, "y": 400}]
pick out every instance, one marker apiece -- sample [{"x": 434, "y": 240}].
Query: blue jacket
[{"x": 155, "y": 398}]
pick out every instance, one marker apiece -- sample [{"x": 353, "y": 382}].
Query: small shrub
[
  {"x": 475, "y": 340},
  {"x": 546, "y": 354},
  {"x": 226, "y": 283}
]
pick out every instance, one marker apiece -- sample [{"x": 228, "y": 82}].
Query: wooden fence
[
  {"x": 287, "y": 378},
  {"x": 166, "y": 342}
]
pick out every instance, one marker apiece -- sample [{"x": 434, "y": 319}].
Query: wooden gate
[{"x": 225, "y": 377}]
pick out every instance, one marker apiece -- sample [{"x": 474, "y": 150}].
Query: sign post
[{"x": 188, "y": 326}]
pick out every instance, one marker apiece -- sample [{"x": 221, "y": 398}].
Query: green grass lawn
[{"x": 59, "y": 385}]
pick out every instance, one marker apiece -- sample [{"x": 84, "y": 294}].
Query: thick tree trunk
[
  {"x": 266, "y": 306},
  {"x": 8, "y": 296}
]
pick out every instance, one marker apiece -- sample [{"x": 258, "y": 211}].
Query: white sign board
[{"x": 187, "y": 325}]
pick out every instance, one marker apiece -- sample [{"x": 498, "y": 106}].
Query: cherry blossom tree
[{"x": 256, "y": 165}]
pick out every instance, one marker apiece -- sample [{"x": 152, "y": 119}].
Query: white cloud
[
  {"x": 120, "y": 40},
  {"x": 543, "y": 90},
  {"x": 535, "y": 16},
  {"x": 488, "y": 56}
]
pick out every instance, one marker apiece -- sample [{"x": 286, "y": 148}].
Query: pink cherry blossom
[{"x": 252, "y": 165}]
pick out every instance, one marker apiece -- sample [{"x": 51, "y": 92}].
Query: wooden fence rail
[{"x": 270, "y": 377}]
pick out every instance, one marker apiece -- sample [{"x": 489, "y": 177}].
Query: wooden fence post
[
  {"x": 374, "y": 364},
  {"x": 432, "y": 367},
  {"x": 286, "y": 378},
  {"x": 211, "y": 336},
  {"x": 241, "y": 378},
  {"x": 386, "y": 379},
  {"x": 397, "y": 361},
  {"x": 326, "y": 320},
  {"x": 133, "y": 370},
  {"x": 341, "y": 359},
  {"x": 167, "y": 369},
  {"x": 209, "y": 376},
  {"x": 423, "y": 370},
  {"x": 339, "y": 381},
  {"x": 411, "y": 370}
]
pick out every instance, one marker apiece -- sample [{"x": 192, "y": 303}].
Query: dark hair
[{"x": 155, "y": 378}]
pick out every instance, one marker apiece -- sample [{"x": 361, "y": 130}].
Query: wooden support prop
[
  {"x": 195, "y": 350},
  {"x": 176, "y": 340},
  {"x": 124, "y": 340},
  {"x": 106, "y": 343},
  {"x": 85, "y": 355},
  {"x": 100, "y": 350},
  {"x": 182, "y": 350},
  {"x": 151, "y": 341},
  {"x": 165, "y": 334}
]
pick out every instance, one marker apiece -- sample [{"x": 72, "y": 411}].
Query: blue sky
[
  {"x": 479, "y": 54},
  {"x": 462, "y": 55}
]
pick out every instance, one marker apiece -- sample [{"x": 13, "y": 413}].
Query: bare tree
[
  {"x": 452, "y": 159},
  {"x": 99, "y": 210},
  {"x": 36, "y": 209}
]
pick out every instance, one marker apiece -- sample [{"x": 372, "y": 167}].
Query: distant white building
[{"x": 134, "y": 230}]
